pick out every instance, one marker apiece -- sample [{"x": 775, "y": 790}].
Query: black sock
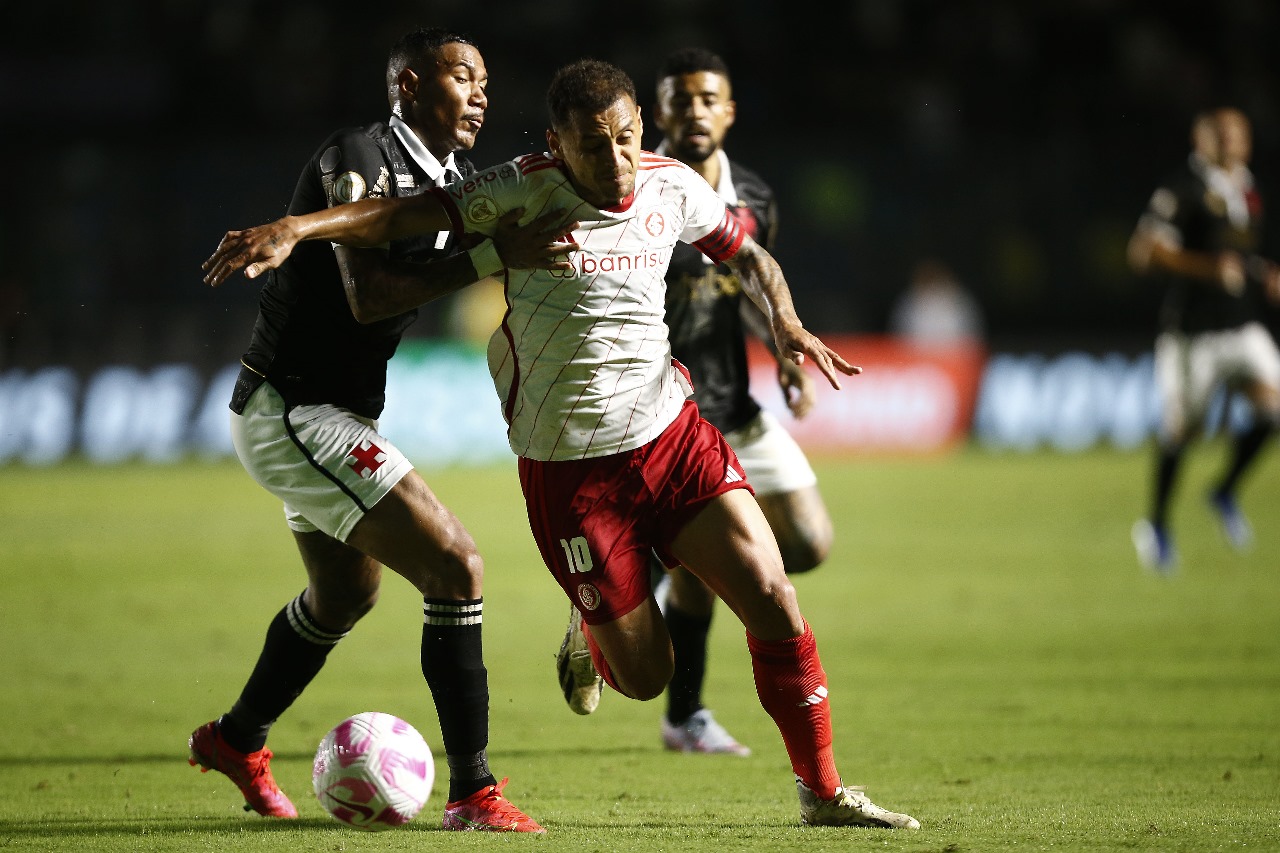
[
  {"x": 689, "y": 641},
  {"x": 294, "y": 651},
  {"x": 1245, "y": 450},
  {"x": 453, "y": 664},
  {"x": 1166, "y": 475}
]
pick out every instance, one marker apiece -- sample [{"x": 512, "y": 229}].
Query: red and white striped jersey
[{"x": 581, "y": 362}]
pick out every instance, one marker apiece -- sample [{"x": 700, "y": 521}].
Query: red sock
[
  {"x": 793, "y": 690},
  {"x": 597, "y": 658}
]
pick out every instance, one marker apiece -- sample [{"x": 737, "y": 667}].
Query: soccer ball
[{"x": 373, "y": 771}]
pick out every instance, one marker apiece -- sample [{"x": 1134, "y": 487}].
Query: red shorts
[{"x": 598, "y": 521}]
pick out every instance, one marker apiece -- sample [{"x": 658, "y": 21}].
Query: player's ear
[
  {"x": 407, "y": 84},
  {"x": 553, "y": 145},
  {"x": 730, "y": 113}
]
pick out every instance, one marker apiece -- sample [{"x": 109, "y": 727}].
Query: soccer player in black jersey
[
  {"x": 709, "y": 319},
  {"x": 304, "y": 426},
  {"x": 1201, "y": 233}
]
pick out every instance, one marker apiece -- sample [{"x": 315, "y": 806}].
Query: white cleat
[
  {"x": 581, "y": 684},
  {"x": 700, "y": 733},
  {"x": 1155, "y": 548},
  {"x": 849, "y": 807}
]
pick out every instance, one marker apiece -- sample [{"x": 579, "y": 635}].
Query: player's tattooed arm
[
  {"x": 763, "y": 282},
  {"x": 378, "y": 288},
  {"x": 798, "y": 388}
]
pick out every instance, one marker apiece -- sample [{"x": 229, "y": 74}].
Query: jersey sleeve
[
  {"x": 708, "y": 224},
  {"x": 476, "y": 203},
  {"x": 1167, "y": 212},
  {"x": 353, "y": 167}
]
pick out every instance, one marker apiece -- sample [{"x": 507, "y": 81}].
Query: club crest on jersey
[
  {"x": 367, "y": 458},
  {"x": 347, "y": 187},
  {"x": 482, "y": 209},
  {"x": 589, "y": 596},
  {"x": 654, "y": 220}
]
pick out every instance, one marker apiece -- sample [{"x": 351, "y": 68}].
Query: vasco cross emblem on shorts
[{"x": 366, "y": 458}]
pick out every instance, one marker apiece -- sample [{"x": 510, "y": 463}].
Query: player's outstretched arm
[
  {"x": 1149, "y": 250},
  {"x": 764, "y": 283},
  {"x": 369, "y": 222},
  {"x": 378, "y": 287}
]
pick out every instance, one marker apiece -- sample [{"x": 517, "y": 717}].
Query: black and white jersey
[
  {"x": 704, "y": 310},
  {"x": 1201, "y": 209},
  {"x": 306, "y": 341}
]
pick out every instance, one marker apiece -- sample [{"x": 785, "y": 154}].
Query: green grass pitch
[{"x": 999, "y": 666}]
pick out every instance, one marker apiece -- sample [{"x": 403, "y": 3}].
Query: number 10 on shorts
[{"x": 576, "y": 554}]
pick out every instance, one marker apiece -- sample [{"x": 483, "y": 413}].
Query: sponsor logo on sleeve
[{"x": 481, "y": 210}]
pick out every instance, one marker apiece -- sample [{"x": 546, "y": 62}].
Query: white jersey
[{"x": 581, "y": 362}]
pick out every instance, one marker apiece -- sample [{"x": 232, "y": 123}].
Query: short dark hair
[
  {"x": 690, "y": 60},
  {"x": 586, "y": 86},
  {"x": 417, "y": 45}
]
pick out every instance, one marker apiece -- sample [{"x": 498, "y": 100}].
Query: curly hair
[{"x": 586, "y": 86}]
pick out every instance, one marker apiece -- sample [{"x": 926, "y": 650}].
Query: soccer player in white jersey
[{"x": 615, "y": 461}]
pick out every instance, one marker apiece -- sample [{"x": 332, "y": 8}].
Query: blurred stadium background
[{"x": 1013, "y": 143}]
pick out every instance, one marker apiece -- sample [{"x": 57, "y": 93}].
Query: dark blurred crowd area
[{"x": 1013, "y": 142}]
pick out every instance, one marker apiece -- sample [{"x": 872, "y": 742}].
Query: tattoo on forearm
[{"x": 378, "y": 289}]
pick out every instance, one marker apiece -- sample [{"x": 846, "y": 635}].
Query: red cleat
[
  {"x": 487, "y": 811},
  {"x": 251, "y": 773}
]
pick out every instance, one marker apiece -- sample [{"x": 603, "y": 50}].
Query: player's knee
[
  {"x": 469, "y": 564},
  {"x": 781, "y": 594},
  {"x": 458, "y": 573},
  {"x": 805, "y": 555},
  {"x": 647, "y": 680},
  {"x": 806, "y": 549}
]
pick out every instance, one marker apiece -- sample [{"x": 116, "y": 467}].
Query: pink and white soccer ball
[{"x": 373, "y": 771}]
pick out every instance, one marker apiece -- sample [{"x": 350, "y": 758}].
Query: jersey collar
[
  {"x": 439, "y": 173},
  {"x": 724, "y": 188}
]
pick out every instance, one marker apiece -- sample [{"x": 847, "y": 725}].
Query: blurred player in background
[
  {"x": 1202, "y": 231},
  {"x": 313, "y": 383},
  {"x": 709, "y": 318},
  {"x": 615, "y": 461}
]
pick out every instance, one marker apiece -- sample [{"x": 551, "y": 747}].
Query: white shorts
[
  {"x": 327, "y": 464},
  {"x": 773, "y": 461},
  {"x": 1189, "y": 369}
]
